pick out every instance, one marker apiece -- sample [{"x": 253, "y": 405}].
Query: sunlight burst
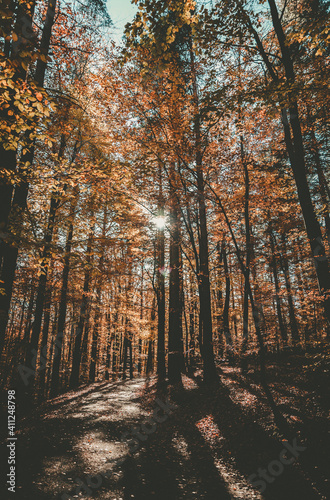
[{"x": 159, "y": 221}]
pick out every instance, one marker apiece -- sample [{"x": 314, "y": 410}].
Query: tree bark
[
  {"x": 282, "y": 326},
  {"x": 55, "y": 382},
  {"x": 175, "y": 300},
  {"x": 247, "y": 257},
  {"x": 295, "y": 149},
  {"x": 285, "y": 269},
  {"x": 9, "y": 248},
  {"x": 209, "y": 368},
  {"x": 141, "y": 318},
  {"x": 44, "y": 267},
  {"x": 225, "y": 316},
  {"x": 83, "y": 316},
  {"x": 160, "y": 271}
]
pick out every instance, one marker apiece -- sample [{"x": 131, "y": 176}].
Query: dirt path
[{"x": 204, "y": 448}]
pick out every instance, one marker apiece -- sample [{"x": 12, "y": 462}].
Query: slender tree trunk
[
  {"x": 20, "y": 328},
  {"x": 281, "y": 323},
  {"x": 125, "y": 349},
  {"x": 55, "y": 383},
  {"x": 175, "y": 300},
  {"x": 44, "y": 341},
  {"x": 247, "y": 258},
  {"x": 95, "y": 340},
  {"x": 150, "y": 357},
  {"x": 192, "y": 322},
  {"x": 292, "y": 315},
  {"x": 160, "y": 267},
  {"x": 209, "y": 368},
  {"x": 27, "y": 328},
  {"x": 83, "y": 316},
  {"x": 36, "y": 327},
  {"x": 115, "y": 350},
  {"x": 149, "y": 366},
  {"x": 225, "y": 316},
  {"x": 110, "y": 339},
  {"x": 141, "y": 318},
  {"x": 131, "y": 368},
  {"x": 210, "y": 373},
  {"x": 97, "y": 318},
  {"x": 219, "y": 303}
]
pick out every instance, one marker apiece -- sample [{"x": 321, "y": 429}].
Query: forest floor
[{"x": 209, "y": 442}]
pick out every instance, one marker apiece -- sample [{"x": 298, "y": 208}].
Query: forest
[{"x": 165, "y": 240}]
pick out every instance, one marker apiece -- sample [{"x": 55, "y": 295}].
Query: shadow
[{"x": 79, "y": 436}]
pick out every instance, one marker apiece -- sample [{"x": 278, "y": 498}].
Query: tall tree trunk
[
  {"x": 36, "y": 327},
  {"x": 247, "y": 258},
  {"x": 18, "y": 19},
  {"x": 281, "y": 323},
  {"x": 110, "y": 339},
  {"x": 160, "y": 288},
  {"x": 44, "y": 341},
  {"x": 149, "y": 365},
  {"x": 141, "y": 318},
  {"x": 125, "y": 349},
  {"x": 294, "y": 145},
  {"x": 209, "y": 368},
  {"x": 95, "y": 339},
  {"x": 55, "y": 382},
  {"x": 175, "y": 299},
  {"x": 116, "y": 345},
  {"x": 28, "y": 321},
  {"x": 83, "y": 316},
  {"x": 285, "y": 269},
  {"x": 115, "y": 351},
  {"x": 44, "y": 267},
  {"x": 225, "y": 316},
  {"x": 192, "y": 323},
  {"x": 131, "y": 368},
  {"x": 219, "y": 303},
  {"x": 97, "y": 318},
  {"x": 8, "y": 248},
  {"x": 20, "y": 328}
]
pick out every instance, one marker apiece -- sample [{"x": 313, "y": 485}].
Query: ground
[{"x": 210, "y": 443}]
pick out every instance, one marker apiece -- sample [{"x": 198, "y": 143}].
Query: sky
[{"x": 121, "y": 12}]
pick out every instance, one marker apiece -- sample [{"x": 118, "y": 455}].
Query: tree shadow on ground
[{"x": 206, "y": 449}]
